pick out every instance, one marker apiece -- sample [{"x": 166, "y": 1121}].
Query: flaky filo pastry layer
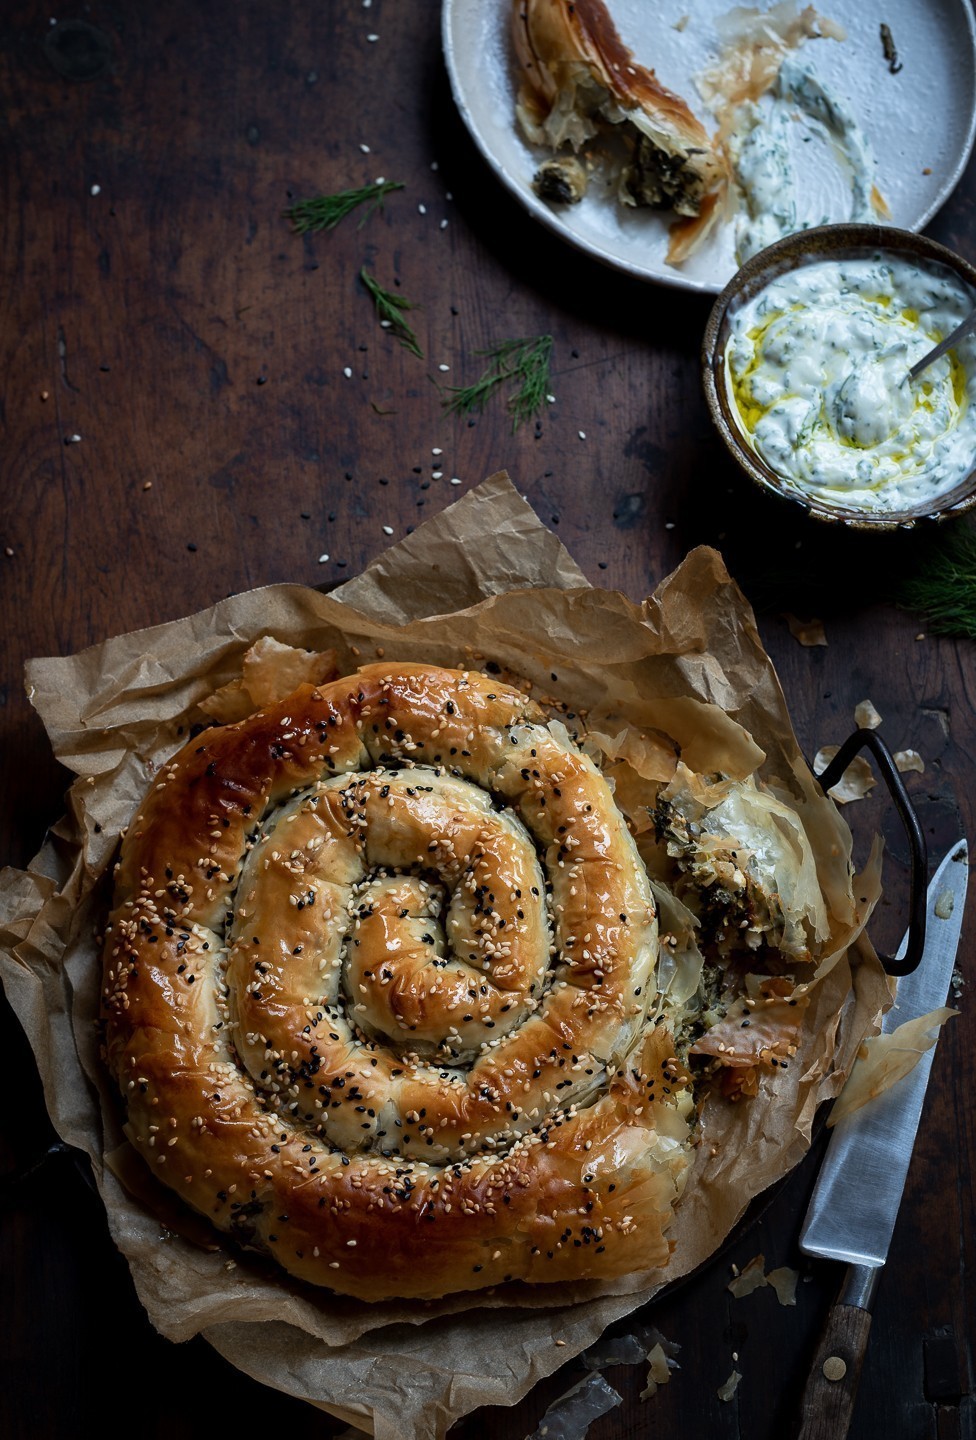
[{"x": 577, "y": 78}]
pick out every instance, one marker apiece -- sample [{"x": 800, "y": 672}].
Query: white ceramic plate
[{"x": 920, "y": 122}]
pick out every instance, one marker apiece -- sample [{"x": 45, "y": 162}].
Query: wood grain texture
[
  {"x": 835, "y": 1371},
  {"x": 198, "y": 348}
]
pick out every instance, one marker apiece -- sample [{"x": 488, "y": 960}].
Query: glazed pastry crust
[
  {"x": 554, "y": 38},
  {"x": 577, "y": 77},
  {"x": 376, "y": 993}
]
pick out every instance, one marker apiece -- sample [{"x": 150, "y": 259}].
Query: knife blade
[{"x": 852, "y": 1212}]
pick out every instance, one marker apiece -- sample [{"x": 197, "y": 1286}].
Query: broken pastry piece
[
  {"x": 745, "y": 871},
  {"x": 561, "y": 181},
  {"x": 579, "y": 80}
]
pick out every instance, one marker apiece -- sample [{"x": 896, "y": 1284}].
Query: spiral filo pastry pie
[{"x": 377, "y": 992}]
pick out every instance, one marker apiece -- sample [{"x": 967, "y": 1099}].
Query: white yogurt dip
[
  {"x": 817, "y": 372},
  {"x": 763, "y": 142}
]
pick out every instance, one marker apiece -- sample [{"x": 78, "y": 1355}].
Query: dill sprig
[
  {"x": 323, "y": 212},
  {"x": 525, "y": 361},
  {"x": 943, "y": 587},
  {"x": 390, "y": 308}
]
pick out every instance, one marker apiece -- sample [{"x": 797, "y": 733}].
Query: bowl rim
[{"x": 807, "y": 247}]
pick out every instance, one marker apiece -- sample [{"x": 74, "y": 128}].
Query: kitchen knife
[{"x": 852, "y": 1212}]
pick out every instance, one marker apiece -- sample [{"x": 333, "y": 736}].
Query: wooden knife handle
[{"x": 831, "y": 1388}]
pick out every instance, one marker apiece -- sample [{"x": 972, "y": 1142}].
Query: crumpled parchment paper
[{"x": 484, "y": 580}]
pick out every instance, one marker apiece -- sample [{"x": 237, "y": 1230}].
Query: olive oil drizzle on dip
[{"x": 817, "y": 372}]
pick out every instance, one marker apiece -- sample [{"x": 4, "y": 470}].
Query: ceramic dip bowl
[{"x": 805, "y": 365}]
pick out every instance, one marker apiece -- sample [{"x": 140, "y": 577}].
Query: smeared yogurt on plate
[
  {"x": 817, "y": 372},
  {"x": 764, "y": 141}
]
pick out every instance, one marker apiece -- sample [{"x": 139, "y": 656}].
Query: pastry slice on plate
[{"x": 578, "y": 80}]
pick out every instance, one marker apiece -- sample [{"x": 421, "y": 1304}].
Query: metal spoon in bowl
[{"x": 953, "y": 339}]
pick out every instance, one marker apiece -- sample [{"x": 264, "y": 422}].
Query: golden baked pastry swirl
[{"x": 376, "y": 993}]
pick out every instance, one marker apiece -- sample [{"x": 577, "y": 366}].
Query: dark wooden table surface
[{"x": 178, "y": 425}]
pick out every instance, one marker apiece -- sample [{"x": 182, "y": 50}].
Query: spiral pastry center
[{"x": 410, "y": 938}]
